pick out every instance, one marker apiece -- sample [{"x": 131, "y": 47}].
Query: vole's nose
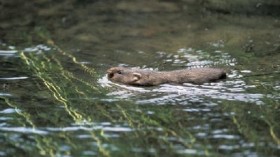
[{"x": 110, "y": 75}]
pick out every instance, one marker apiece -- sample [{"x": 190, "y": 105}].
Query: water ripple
[
  {"x": 166, "y": 93},
  {"x": 14, "y": 78},
  {"x": 5, "y": 94},
  {"x": 7, "y": 52},
  {"x": 24, "y": 130}
]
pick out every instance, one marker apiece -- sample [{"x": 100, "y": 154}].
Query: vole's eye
[{"x": 119, "y": 72}]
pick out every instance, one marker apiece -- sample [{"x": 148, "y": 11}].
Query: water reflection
[
  {"x": 14, "y": 78},
  {"x": 108, "y": 129},
  {"x": 25, "y": 130},
  {"x": 7, "y": 52},
  {"x": 8, "y": 111},
  {"x": 38, "y": 48}
]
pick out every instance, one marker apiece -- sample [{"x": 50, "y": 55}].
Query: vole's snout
[{"x": 110, "y": 75}]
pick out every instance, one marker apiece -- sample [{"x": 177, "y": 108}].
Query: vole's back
[
  {"x": 199, "y": 75},
  {"x": 149, "y": 78}
]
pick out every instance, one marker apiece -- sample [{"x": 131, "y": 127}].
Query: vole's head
[{"x": 124, "y": 75}]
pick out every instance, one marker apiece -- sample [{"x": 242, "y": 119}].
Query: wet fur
[{"x": 140, "y": 77}]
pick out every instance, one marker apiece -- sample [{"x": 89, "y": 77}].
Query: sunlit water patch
[
  {"x": 14, "y": 78},
  {"x": 192, "y": 58},
  {"x": 12, "y": 51},
  {"x": 106, "y": 127},
  {"x": 38, "y": 49},
  {"x": 25, "y": 130},
  {"x": 7, "y": 52}
]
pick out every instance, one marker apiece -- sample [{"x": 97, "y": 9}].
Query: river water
[{"x": 55, "y": 98}]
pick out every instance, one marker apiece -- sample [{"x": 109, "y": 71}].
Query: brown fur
[{"x": 141, "y": 77}]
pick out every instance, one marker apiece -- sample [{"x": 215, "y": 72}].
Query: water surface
[{"x": 55, "y": 98}]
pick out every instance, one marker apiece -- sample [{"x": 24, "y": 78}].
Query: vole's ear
[{"x": 136, "y": 76}]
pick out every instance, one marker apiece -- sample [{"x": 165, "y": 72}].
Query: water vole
[{"x": 140, "y": 77}]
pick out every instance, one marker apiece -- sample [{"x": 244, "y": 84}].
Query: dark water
[{"x": 55, "y": 99}]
